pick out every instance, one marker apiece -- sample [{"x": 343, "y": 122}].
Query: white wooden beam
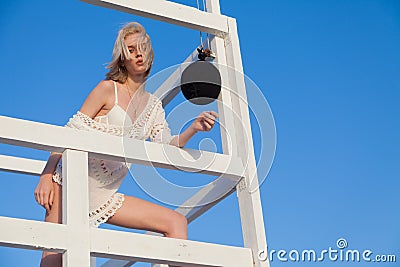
[
  {"x": 249, "y": 198},
  {"x": 170, "y": 12},
  {"x": 21, "y": 165},
  {"x": 226, "y": 112},
  {"x": 28, "y": 234},
  {"x": 55, "y": 138},
  {"x": 75, "y": 207},
  {"x": 157, "y": 249}
]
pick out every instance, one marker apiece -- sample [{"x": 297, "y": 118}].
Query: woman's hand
[
  {"x": 44, "y": 192},
  {"x": 205, "y": 121}
]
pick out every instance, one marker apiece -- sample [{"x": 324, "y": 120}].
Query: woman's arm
[
  {"x": 44, "y": 192},
  {"x": 96, "y": 100},
  {"x": 204, "y": 122}
]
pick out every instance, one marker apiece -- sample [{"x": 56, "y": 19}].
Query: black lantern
[{"x": 201, "y": 81}]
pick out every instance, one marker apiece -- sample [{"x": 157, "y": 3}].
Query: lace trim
[
  {"x": 142, "y": 122},
  {"x": 57, "y": 174},
  {"x": 82, "y": 121},
  {"x": 107, "y": 210}
]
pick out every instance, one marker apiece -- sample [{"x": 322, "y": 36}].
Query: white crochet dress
[{"x": 105, "y": 177}]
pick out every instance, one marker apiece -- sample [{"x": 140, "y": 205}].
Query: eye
[{"x": 131, "y": 49}]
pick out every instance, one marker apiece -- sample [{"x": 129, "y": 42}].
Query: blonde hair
[{"x": 117, "y": 70}]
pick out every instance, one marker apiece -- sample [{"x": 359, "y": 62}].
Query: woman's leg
[
  {"x": 141, "y": 214},
  {"x": 134, "y": 213},
  {"x": 53, "y": 259}
]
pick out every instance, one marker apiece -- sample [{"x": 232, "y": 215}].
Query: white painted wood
[
  {"x": 28, "y": 234},
  {"x": 75, "y": 207},
  {"x": 227, "y": 114},
  {"x": 249, "y": 200},
  {"x": 225, "y": 108},
  {"x": 206, "y": 198},
  {"x": 170, "y": 12},
  {"x": 235, "y": 114},
  {"x": 213, "y": 6},
  {"x": 21, "y": 165},
  {"x": 55, "y": 138},
  {"x": 123, "y": 245}
]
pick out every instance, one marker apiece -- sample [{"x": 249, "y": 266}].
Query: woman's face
[{"x": 134, "y": 65}]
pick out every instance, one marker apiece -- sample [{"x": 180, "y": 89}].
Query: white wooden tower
[{"x": 235, "y": 168}]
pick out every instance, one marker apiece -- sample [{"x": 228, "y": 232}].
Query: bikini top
[{"x": 117, "y": 115}]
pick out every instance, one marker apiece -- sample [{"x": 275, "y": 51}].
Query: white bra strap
[{"x": 116, "y": 94}]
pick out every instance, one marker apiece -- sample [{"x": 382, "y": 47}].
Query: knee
[{"x": 178, "y": 226}]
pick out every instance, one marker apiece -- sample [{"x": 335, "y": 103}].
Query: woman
[{"x": 119, "y": 105}]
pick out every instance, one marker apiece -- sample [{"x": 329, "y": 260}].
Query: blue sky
[{"x": 329, "y": 70}]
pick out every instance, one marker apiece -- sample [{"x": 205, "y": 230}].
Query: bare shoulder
[
  {"x": 104, "y": 87},
  {"x": 98, "y": 98},
  {"x": 103, "y": 91}
]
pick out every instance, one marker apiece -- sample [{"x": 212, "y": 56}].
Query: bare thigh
[{"x": 141, "y": 214}]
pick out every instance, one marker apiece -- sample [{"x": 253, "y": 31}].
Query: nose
[{"x": 139, "y": 55}]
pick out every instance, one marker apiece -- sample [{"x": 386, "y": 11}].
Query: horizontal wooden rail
[
  {"x": 56, "y": 138},
  {"x": 36, "y": 235},
  {"x": 28, "y": 234},
  {"x": 156, "y": 249},
  {"x": 21, "y": 165},
  {"x": 170, "y": 12}
]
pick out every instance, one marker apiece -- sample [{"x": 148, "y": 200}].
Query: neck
[{"x": 135, "y": 81}]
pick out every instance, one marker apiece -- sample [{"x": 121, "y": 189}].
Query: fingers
[
  {"x": 206, "y": 125},
  {"x": 36, "y": 196},
  {"x": 51, "y": 198},
  {"x": 215, "y": 114},
  {"x": 44, "y": 198},
  {"x": 207, "y": 120},
  {"x": 47, "y": 206},
  {"x": 210, "y": 114}
]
